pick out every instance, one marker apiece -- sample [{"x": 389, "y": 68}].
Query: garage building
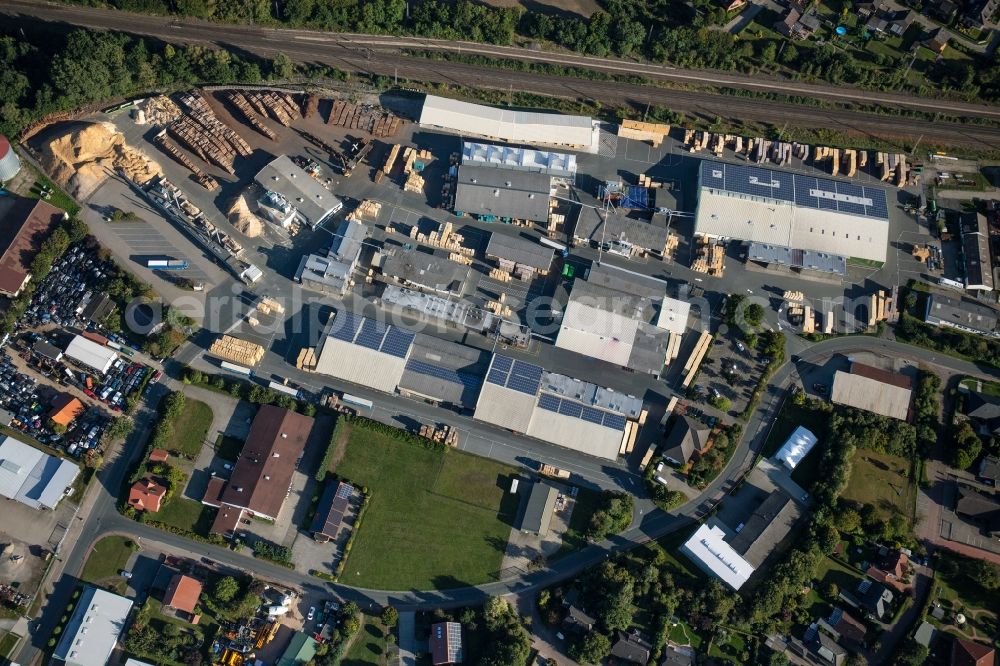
[
  {"x": 91, "y": 354},
  {"x": 507, "y": 126},
  {"x": 750, "y": 203}
]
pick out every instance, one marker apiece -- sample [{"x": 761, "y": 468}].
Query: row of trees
[
  {"x": 948, "y": 340},
  {"x": 255, "y": 393},
  {"x": 613, "y": 516},
  {"x": 41, "y": 73}
]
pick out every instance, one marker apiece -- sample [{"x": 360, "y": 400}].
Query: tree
[
  {"x": 591, "y": 649},
  {"x": 986, "y": 574},
  {"x": 282, "y": 67},
  {"x": 754, "y": 314},
  {"x": 911, "y": 654},
  {"x": 847, "y": 521},
  {"x": 390, "y": 616},
  {"x": 225, "y": 589},
  {"x": 494, "y": 610}
]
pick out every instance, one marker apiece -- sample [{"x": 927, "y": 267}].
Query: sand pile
[
  {"x": 83, "y": 157},
  {"x": 243, "y": 220}
]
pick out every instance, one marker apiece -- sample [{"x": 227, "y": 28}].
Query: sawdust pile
[
  {"x": 160, "y": 110},
  {"x": 243, "y": 220},
  {"x": 82, "y": 158}
]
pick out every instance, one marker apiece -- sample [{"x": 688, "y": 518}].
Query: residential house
[
  {"x": 159, "y": 456},
  {"x": 631, "y": 647},
  {"x": 182, "y": 595},
  {"x": 687, "y": 438},
  {"x": 818, "y": 648},
  {"x": 942, "y": 10},
  {"x": 874, "y": 597},
  {"x": 989, "y": 471},
  {"x": 146, "y": 495},
  {"x": 925, "y": 634},
  {"x": 936, "y": 40},
  {"x": 445, "y": 643},
  {"x": 984, "y": 410},
  {"x": 674, "y": 655},
  {"x": 968, "y": 653},
  {"x": 980, "y": 508},
  {"x": 577, "y": 620},
  {"x": 798, "y": 25},
  {"x": 846, "y": 628}
]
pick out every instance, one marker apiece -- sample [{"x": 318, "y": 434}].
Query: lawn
[
  {"x": 369, "y": 645},
  {"x": 682, "y": 634},
  {"x": 109, "y": 556},
  {"x": 841, "y": 575},
  {"x": 186, "y": 514},
  {"x": 882, "y": 480},
  {"x": 7, "y": 644},
  {"x": 587, "y": 502},
  {"x": 731, "y": 649},
  {"x": 190, "y": 429},
  {"x": 435, "y": 519}
]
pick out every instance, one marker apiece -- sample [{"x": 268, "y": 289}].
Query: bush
[{"x": 266, "y": 550}]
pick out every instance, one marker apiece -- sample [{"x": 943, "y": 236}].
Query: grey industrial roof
[
  {"x": 947, "y": 311},
  {"x": 93, "y": 630},
  {"x": 301, "y": 190},
  {"x": 347, "y": 240},
  {"x": 766, "y": 527},
  {"x": 591, "y": 394},
  {"x": 591, "y": 226},
  {"x": 421, "y": 269},
  {"x": 976, "y": 249},
  {"x": 47, "y": 349},
  {"x": 873, "y": 390},
  {"x": 538, "y": 512},
  {"x": 440, "y": 310},
  {"x": 519, "y": 250},
  {"x": 633, "y": 284},
  {"x": 444, "y": 371},
  {"x": 786, "y": 256},
  {"x": 31, "y": 476},
  {"x": 506, "y": 193},
  {"x": 324, "y": 272}
]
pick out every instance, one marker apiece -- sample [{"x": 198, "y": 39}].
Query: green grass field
[
  {"x": 369, "y": 646},
  {"x": 881, "y": 480},
  {"x": 435, "y": 519},
  {"x": 587, "y": 502},
  {"x": 191, "y": 428},
  {"x": 186, "y": 514},
  {"x": 109, "y": 556}
]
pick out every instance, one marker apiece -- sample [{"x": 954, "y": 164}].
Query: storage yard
[{"x": 572, "y": 252}]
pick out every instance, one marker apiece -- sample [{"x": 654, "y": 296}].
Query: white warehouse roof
[
  {"x": 760, "y": 205},
  {"x": 798, "y": 446},
  {"x": 32, "y": 477},
  {"x": 519, "y": 159},
  {"x": 92, "y": 632},
  {"x": 364, "y": 351},
  {"x": 91, "y": 354},
  {"x": 708, "y": 549},
  {"x": 674, "y": 315},
  {"x": 547, "y": 129}
]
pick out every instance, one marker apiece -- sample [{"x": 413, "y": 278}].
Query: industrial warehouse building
[
  {"x": 873, "y": 390},
  {"x": 708, "y": 549},
  {"x": 506, "y": 126},
  {"x": 263, "y": 472},
  {"x": 750, "y": 203},
  {"x": 957, "y": 313},
  {"x": 618, "y": 321},
  {"x": 502, "y": 194},
  {"x": 26, "y": 223},
  {"x": 976, "y": 252},
  {"x": 443, "y": 372},
  {"x": 364, "y": 351},
  {"x": 601, "y": 227},
  {"x": 91, "y": 354},
  {"x": 333, "y": 272},
  {"x": 423, "y": 271},
  {"x": 524, "y": 398},
  {"x": 32, "y": 477},
  {"x": 519, "y": 256},
  {"x": 93, "y": 631},
  {"x": 557, "y": 165},
  {"x": 291, "y": 194},
  {"x": 538, "y": 512}
]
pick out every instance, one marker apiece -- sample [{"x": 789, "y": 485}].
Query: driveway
[{"x": 407, "y": 638}]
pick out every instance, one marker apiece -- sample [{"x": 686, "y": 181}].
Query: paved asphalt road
[
  {"x": 385, "y": 55},
  {"x": 104, "y": 518}
]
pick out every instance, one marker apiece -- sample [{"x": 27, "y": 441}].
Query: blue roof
[
  {"x": 797, "y": 189},
  {"x": 371, "y": 334}
]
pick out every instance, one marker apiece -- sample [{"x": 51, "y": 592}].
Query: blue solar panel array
[
  {"x": 575, "y": 410},
  {"x": 515, "y": 375},
  {"x": 804, "y": 191},
  {"x": 469, "y": 381},
  {"x": 371, "y": 334}
]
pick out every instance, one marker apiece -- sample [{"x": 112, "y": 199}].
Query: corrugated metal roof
[
  {"x": 444, "y": 371},
  {"x": 547, "y": 129},
  {"x": 91, "y": 354},
  {"x": 947, "y": 311},
  {"x": 814, "y": 261},
  {"x": 518, "y": 195},
  {"x": 32, "y": 477},
  {"x": 577, "y": 434},
  {"x": 505, "y": 407},
  {"x": 522, "y": 159},
  {"x": 92, "y": 633},
  {"x": 360, "y": 365},
  {"x": 598, "y": 226},
  {"x": 425, "y": 271},
  {"x": 301, "y": 190},
  {"x": 538, "y": 512},
  {"x": 870, "y": 395}
]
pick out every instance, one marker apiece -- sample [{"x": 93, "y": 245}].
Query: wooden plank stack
[
  {"x": 171, "y": 149},
  {"x": 241, "y": 103},
  {"x": 366, "y": 118},
  {"x": 206, "y": 136},
  {"x": 310, "y": 103},
  {"x": 307, "y": 359},
  {"x": 238, "y": 351}
]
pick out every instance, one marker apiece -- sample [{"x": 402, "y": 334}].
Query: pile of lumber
[
  {"x": 238, "y": 351},
  {"x": 307, "y": 359},
  {"x": 443, "y": 433},
  {"x": 709, "y": 256},
  {"x": 640, "y": 131},
  {"x": 366, "y": 118},
  {"x": 268, "y": 306},
  {"x": 310, "y": 103},
  {"x": 697, "y": 356},
  {"x": 444, "y": 237},
  {"x": 368, "y": 209},
  {"x": 241, "y": 103},
  {"x": 206, "y": 136},
  {"x": 279, "y": 106},
  {"x": 171, "y": 149}
]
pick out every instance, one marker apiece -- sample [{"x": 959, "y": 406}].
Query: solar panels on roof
[
  {"x": 371, "y": 334},
  {"x": 800, "y": 190},
  {"x": 448, "y": 375},
  {"x": 515, "y": 375},
  {"x": 555, "y": 404}
]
